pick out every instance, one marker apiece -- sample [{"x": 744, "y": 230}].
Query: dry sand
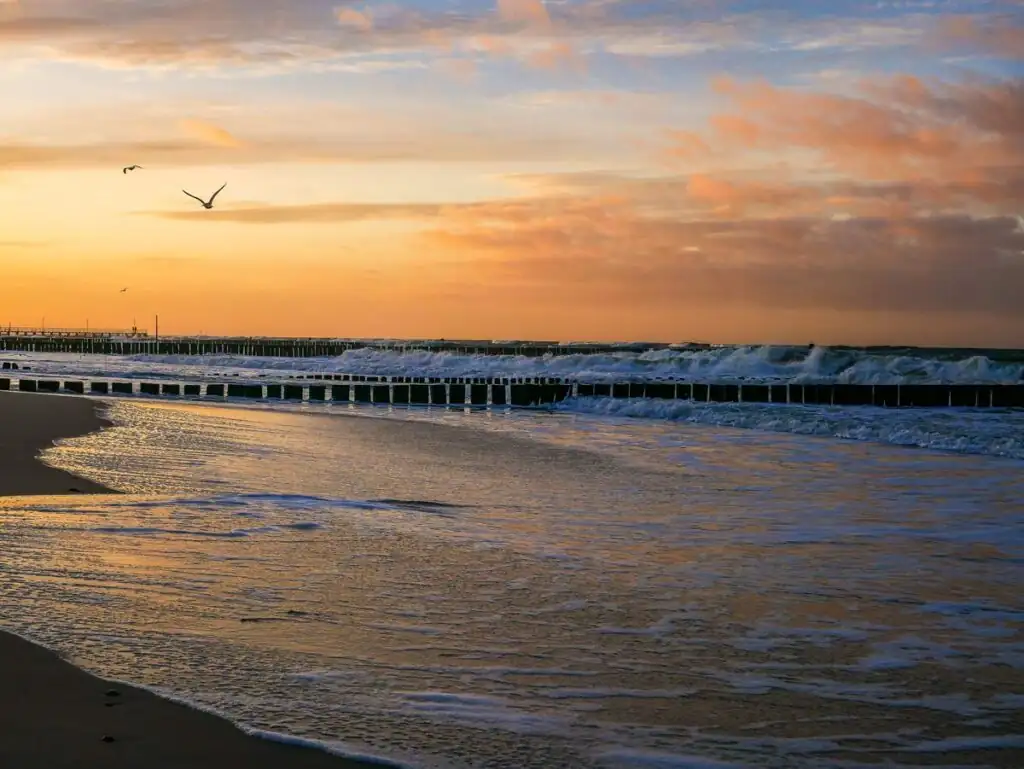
[{"x": 56, "y": 716}]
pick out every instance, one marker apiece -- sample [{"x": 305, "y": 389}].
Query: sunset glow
[{"x": 783, "y": 171}]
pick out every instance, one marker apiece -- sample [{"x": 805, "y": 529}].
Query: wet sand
[
  {"x": 54, "y": 715},
  {"x": 30, "y": 423}
]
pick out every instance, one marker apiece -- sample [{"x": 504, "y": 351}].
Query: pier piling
[
  {"x": 514, "y": 392},
  {"x": 457, "y": 394}
]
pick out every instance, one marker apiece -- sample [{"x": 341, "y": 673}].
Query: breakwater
[{"x": 534, "y": 391}]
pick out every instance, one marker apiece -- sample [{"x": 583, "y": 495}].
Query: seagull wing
[
  {"x": 214, "y": 195},
  {"x": 193, "y": 196}
]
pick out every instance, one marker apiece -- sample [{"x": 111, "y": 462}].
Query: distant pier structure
[
  {"x": 47, "y": 334},
  {"x": 136, "y": 342}
]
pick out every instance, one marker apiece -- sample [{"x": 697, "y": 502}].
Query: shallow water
[{"x": 521, "y": 590}]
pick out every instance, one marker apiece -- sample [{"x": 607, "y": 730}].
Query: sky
[{"x": 757, "y": 171}]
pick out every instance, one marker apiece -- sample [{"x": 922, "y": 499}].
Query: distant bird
[
  {"x": 123, "y": 290},
  {"x": 126, "y": 169},
  {"x": 206, "y": 203}
]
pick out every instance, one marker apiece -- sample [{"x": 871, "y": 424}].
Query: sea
[{"x": 600, "y": 584}]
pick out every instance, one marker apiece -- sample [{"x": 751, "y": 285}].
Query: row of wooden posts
[
  {"x": 136, "y": 343},
  {"x": 424, "y": 391}
]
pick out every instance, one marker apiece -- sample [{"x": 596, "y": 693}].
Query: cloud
[
  {"x": 891, "y": 147},
  {"x": 758, "y": 195},
  {"x": 611, "y": 252},
  {"x": 271, "y": 35},
  {"x": 209, "y": 133},
  {"x": 556, "y": 55},
  {"x": 459, "y": 68},
  {"x": 322, "y": 213},
  {"x": 958, "y": 137},
  {"x": 323, "y": 137},
  {"x": 1000, "y": 35},
  {"x": 494, "y": 45},
  {"x": 27, "y": 28},
  {"x": 900, "y": 196},
  {"x": 684, "y": 144},
  {"x": 524, "y": 12},
  {"x": 350, "y": 17},
  {"x": 170, "y": 152},
  {"x": 734, "y": 199}
]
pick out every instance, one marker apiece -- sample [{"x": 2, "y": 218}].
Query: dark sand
[
  {"x": 56, "y": 716},
  {"x": 30, "y": 423}
]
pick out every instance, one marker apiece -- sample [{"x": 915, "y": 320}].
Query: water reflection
[{"x": 534, "y": 592}]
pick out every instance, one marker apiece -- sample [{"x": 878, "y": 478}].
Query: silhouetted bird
[
  {"x": 123, "y": 290},
  {"x": 206, "y": 203},
  {"x": 126, "y": 169}
]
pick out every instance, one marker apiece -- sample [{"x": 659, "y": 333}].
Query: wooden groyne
[{"x": 527, "y": 392}]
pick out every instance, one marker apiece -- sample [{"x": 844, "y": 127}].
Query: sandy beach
[
  {"x": 54, "y": 715},
  {"x": 30, "y": 423}
]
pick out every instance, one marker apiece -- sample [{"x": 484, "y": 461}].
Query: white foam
[
  {"x": 996, "y": 433},
  {"x": 334, "y": 748},
  {"x": 491, "y": 710}
]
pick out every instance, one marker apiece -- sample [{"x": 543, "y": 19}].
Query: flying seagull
[
  {"x": 206, "y": 203},
  {"x": 123, "y": 290},
  {"x": 126, "y": 169}
]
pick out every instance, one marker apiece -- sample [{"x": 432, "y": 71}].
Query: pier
[
  {"x": 139, "y": 342},
  {"x": 65, "y": 334},
  {"x": 136, "y": 341},
  {"x": 530, "y": 391}
]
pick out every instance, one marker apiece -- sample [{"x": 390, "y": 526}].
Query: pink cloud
[
  {"x": 524, "y": 12},
  {"x": 350, "y": 17}
]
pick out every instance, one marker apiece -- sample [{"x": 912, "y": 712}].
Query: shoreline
[{"x": 55, "y": 715}]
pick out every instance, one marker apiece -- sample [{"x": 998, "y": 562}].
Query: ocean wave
[
  {"x": 767, "y": 363},
  {"x": 998, "y": 433}
]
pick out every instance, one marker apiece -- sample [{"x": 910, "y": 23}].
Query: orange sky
[{"x": 597, "y": 169}]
